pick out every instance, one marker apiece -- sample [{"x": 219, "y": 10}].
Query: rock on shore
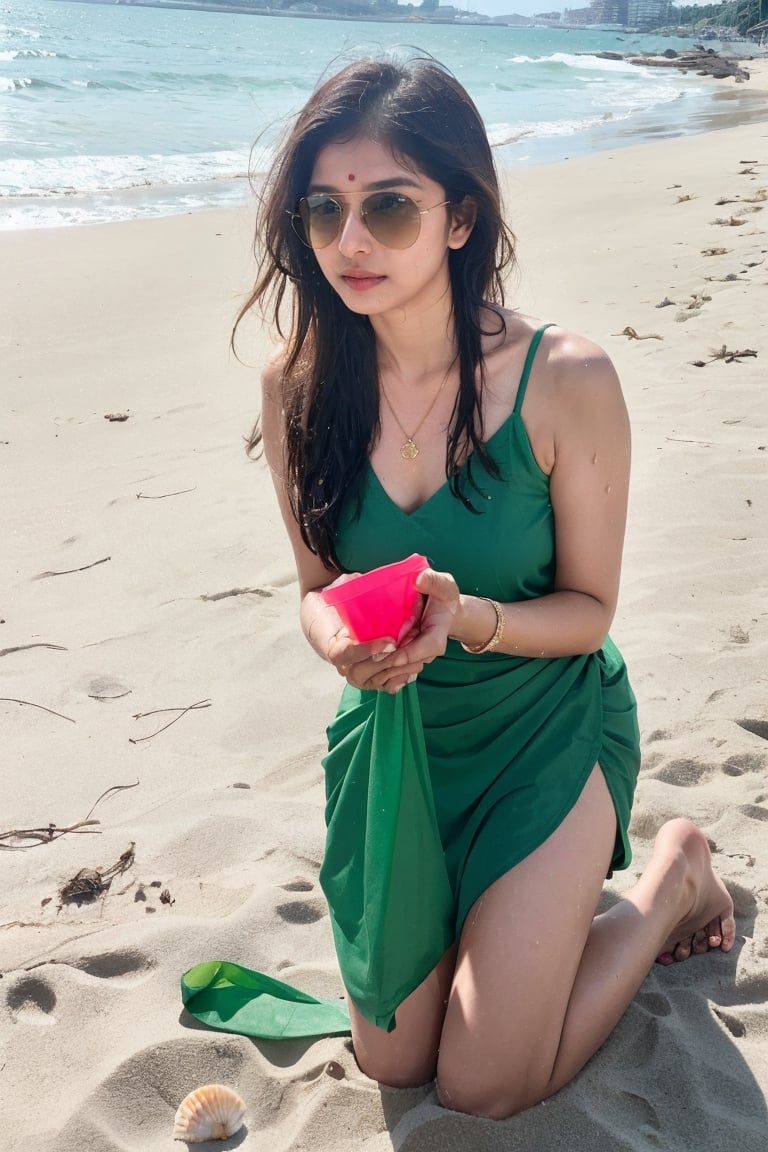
[{"x": 703, "y": 61}]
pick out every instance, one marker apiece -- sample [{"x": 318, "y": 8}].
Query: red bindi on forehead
[{"x": 351, "y": 177}]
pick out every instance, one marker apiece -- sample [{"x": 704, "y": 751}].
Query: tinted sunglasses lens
[
  {"x": 321, "y": 217},
  {"x": 393, "y": 219}
]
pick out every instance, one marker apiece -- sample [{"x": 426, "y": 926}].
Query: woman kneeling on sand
[{"x": 409, "y": 411}]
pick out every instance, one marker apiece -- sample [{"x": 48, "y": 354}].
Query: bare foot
[{"x": 707, "y": 921}]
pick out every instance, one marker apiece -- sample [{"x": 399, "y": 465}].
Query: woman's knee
[
  {"x": 466, "y": 1086},
  {"x": 406, "y": 1057},
  {"x": 397, "y": 1072}
]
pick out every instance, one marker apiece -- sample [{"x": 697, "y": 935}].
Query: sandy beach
[{"x": 153, "y": 676}]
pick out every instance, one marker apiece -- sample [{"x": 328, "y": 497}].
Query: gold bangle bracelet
[{"x": 501, "y": 623}]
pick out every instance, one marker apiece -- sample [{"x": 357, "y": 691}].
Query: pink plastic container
[{"x": 382, "y": 602}]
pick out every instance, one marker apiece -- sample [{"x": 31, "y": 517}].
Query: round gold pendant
[{"x": 409, "y": 451}]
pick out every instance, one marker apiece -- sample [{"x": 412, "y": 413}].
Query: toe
[
  {"x": 701, "y": 941},
  {"x": 727, "y": 932},
  {"x": 714, "y": 933},
  {"x": 683, "y": 949}
]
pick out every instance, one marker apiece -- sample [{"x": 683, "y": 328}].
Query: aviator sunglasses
[{"x": 391, "y": 218}]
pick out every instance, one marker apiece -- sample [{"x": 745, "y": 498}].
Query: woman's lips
[{"x": 361, "y": 281}]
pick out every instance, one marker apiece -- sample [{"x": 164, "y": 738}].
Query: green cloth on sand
[{"x": 236, "y": 999}]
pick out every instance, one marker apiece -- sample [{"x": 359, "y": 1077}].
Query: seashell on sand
[{"x": 212, "y": 1112}]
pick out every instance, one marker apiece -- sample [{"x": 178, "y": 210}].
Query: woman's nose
[{"x": 353, "y": 234}]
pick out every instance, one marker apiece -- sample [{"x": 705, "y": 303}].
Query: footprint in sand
[
  {"x": 685, "y": 773},
  {"x": 301, "y": 911},
  {"x": 120, "y": 968},
  {"x": 742, "y": 1015},
  {"x": 647, "y": 822},
  {"x": 743, "y": 762},
  {"x": 735, "y": 1026},
  {"x": 756, "y": 727},
  {"x": 104, "y": 688},
  {"x": 298, "y": 885},
  {"x": 640, "y": 1115},
  {"x": 753, "y": 811},
  {"x": 31, "y": 1000}
]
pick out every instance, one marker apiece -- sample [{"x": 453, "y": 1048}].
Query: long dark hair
[{"x": 330, "y": 388}]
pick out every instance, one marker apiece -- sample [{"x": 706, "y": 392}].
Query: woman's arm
[
  {"x": 373, "y": 665},
  {"x": 319, "y": 622},
  {"x": 582, "y": 438}
]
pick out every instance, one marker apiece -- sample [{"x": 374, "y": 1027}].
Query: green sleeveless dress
[{"x": 510, "y": 740}]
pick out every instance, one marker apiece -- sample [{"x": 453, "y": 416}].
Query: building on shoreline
[{"x": 642, "y": 15}]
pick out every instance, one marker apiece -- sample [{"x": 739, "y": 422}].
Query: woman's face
[{"x": 372, "y": 278}]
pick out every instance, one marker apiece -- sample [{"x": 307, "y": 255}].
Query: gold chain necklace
[{"x": 410, "y": 450}]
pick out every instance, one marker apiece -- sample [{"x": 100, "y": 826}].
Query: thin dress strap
[{"x": 532, "y": 348}]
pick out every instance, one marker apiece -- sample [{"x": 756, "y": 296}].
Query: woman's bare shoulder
[
  {"x": 560, "y": 348},
  {"x": 572, "y": 349},
  {"x": 272, "y": 416},
  {"x": 578, "y": 371},
  {"x": 566, "y": 362},
  {"x": 273, "y": 374}
]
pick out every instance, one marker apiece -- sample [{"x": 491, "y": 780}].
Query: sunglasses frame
[{"x": 297, "y": 220}]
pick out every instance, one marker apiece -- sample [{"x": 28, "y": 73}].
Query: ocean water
[{"x": 109, "y": 111}]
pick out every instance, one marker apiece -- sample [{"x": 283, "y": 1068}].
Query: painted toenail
[{"x": 666, "y": 959}]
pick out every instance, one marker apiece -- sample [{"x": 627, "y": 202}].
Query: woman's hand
[
  {"x": 430, "y": 638},
  {"x": 377, "y": 665},
  {"x": 380, "y": 664}
]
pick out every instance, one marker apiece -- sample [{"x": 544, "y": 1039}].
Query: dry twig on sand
[
  {"x": 24, "y": 647},
  {"x": 760, "y": 195},
  {"x": 31, "y": 704},
  {"x": 263, "y": 592},
  {"x": 69, "y": 571},
  {"x": 181, "y": 712},
  {"x": 632, "y": 335},
  {"x": 52, "y": 832},
  {"x": 165, "y": 495},
  {"x": 723, "y": 353}
]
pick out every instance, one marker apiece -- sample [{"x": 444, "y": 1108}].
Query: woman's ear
[{"x": 463, "y": 216}]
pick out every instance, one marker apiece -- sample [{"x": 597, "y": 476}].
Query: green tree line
[{"x": 737, "y": 14}]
